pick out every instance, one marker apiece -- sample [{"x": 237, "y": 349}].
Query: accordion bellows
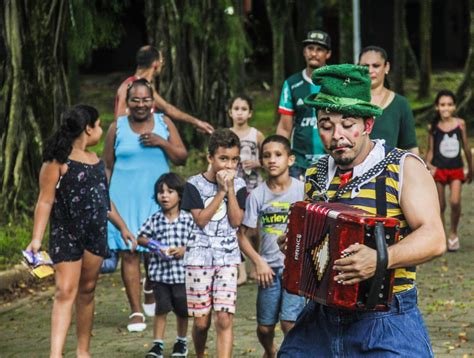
[{"x": 317, "y": 235}]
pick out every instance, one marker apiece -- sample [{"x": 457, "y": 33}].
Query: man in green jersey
[{"x": 298, "y": 121}]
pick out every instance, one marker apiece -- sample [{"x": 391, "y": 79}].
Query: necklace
[{"x": 384, "y": 99}]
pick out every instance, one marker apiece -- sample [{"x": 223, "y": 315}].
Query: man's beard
[{"x": 343, "y": 161}]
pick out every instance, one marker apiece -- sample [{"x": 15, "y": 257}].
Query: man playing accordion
[{"x": 348, "y": 175}]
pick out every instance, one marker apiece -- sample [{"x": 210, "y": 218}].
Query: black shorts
[
  {"x": 69, "y": 238},
  {"x": 170, "y": 297}
]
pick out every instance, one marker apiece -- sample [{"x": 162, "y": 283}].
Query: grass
[
  {"x": 442, "y": 80},
  {"x": 13, "y": 238}
]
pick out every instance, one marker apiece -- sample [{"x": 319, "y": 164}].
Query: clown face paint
[{"x": 345, "y": 138}]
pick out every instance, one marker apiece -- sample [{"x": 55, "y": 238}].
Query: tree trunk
[
  {"x": 398, "y": 64},
  {"x": 33, "y": 94},
  {"x": 346, "y": 32},
  {"x": 204, "y": 46},
  {"x": 425, "y": 49},
  {"x": 293, "y": 60},
  {"x": 278, "y": 15},
  {"x": 304, "y": 16},
  {"x": 464, "y": 95},
  {"x": 412, "y": 69}
]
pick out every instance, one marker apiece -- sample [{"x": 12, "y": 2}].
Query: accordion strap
[
  {"x": 392, "y": 157},
  {"x": 381, "y": 195},
  {"x": 380, "y": 268}
]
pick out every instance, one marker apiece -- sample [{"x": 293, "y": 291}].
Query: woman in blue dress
[{"x": 136, "y": 153}]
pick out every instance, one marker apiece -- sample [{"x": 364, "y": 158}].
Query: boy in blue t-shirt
[{"x": 266, "y": 214}]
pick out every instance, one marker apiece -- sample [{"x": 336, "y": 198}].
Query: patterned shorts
[{"x": 210, "y": 287}]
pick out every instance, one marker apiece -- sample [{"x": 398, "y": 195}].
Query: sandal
[
  {"x": 148, "y": 308},
  {"x": 453, "y": 244},
  {"x": 136, "y": 327}
]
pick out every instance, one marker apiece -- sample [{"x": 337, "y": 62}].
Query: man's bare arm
[
  {"x": 419, "y": 203},
  {"x": 121, "y": 103},
  {"x": 179, "y": 115},
  {"x": 285, "y": 126},
  {"x": 420, "y": 206},
  {"x": 414, "y": 150}
]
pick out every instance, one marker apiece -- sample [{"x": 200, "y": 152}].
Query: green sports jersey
[{"x": 305, "y": 141}]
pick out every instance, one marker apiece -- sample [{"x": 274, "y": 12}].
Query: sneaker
[
  {"x": 180, "y": 349},
  {"x": 156, "y": 351}
]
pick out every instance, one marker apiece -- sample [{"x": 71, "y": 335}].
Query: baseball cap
[{"x": 318, "y": 37}]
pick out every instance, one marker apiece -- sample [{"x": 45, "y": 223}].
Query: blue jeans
[
  {"x": 321, "y": 331},
  {"x": 274, "y": 303}
]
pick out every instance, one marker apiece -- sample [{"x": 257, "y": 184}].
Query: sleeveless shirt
[
  {"x": 447, "y": 148},
  {"x": 82, "y": 187},
  {"x": 363, "y": 198},
  {"x": 249, "y": 150},
  {"x": 136, "y": 169}
]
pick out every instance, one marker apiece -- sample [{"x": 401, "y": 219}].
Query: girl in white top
[{"x": 240, "y": 111}]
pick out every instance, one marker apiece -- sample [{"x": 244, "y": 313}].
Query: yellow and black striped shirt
[{"x": 365, "y": 200}]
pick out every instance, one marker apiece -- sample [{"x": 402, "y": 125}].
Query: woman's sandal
[
  {"x": 453, "y": 244},
  {"x": 148, "y": 308},
  {"x": 136, "y": 327}
]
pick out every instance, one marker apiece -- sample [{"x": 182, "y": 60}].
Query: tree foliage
[
  {"x": 425, "y": 49},
  {"x": 204, "y": 46},
  {"x": 42, "y": 40},
  {"x": 464, "y": 93},
  {"x": 399, "y": 34},
  {"x": 346, "y": 32}
]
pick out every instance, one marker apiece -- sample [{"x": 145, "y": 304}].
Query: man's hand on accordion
[
  {"x": 359, "y": 264},
  {"x": 282, "y": 242},
  {"x": 264, "y": 273}
]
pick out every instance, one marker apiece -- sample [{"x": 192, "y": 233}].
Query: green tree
[
  {"x": 346, "y": 32},
  {"x": 278, "y": 15},
  {"x": 204, "y": 46},
  {"x": 398, "y": 64},
  {"x": 464, "y": 93},
  {"x": 425, "y": 49},
  {"x": 42, "y": 39},
  {"x": 306, "y": 15}
]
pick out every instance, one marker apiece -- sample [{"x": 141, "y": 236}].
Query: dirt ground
[{"x": 446, "y": 298}]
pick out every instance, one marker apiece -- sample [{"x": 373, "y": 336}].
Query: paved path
[{"x": 446, "y": 300}]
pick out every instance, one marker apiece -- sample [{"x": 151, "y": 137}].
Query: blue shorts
[
  {"x": 322, "y": 331},
  {"x": 274, "y": 303}
]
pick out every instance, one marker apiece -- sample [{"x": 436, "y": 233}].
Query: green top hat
[{"x": 344, "y": 89}]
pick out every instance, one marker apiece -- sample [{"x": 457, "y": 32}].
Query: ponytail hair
[
  {"x": 437, "y": 117},
  {"x": 73, "y": 122}
]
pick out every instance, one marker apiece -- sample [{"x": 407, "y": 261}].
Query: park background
[{"x": 57, "y": 53}]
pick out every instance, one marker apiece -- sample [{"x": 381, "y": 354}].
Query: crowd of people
[{"x": 192, "y": 234}]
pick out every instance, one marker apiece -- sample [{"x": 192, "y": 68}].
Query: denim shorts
[
  {"x": 274, "y": 303},
  {"x": 321, "y": 331}
]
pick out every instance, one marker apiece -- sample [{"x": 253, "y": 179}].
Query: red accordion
[{"x": 317, "y": 234}]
